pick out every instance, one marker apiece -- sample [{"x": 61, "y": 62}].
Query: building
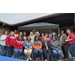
[{"x": 65, "y": 20}]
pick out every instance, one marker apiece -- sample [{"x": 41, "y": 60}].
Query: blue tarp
[{"x": 3, "y": 58}]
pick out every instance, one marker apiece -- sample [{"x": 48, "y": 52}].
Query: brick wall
[{"x": 2, "y": 29}]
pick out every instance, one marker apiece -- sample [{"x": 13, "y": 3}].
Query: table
[{"x": 3, "y": 58}]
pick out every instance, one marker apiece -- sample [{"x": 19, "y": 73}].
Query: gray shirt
[{"x": 55, "y": 44}]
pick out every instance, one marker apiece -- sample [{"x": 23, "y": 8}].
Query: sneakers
[
  {"x": 30, "y": 58},
  {"x": 45, "y": 59},
  {"x": 59, "y": 60},
  {"x": 19, "y": 57},
  {"x": 37, "y": 59},
  {"x": 27, "y": 59}
]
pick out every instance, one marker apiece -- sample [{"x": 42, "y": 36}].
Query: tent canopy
[{"x": 42, "y": 25}]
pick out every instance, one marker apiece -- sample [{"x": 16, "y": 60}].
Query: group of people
[{"x": 37, "y": 43}]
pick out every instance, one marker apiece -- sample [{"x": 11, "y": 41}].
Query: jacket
[
  {"x": 10, "y": 40},
  {"x": 55, "y": 44},
  {"x": 18, "y": 44},
  {"x": 26, "y": 44},
  {"x": 44, "y": 46},
  {"x": 37, "y": 44},
  {"x": 3, "y": 39},
  {"x": 63, "y": 38}
]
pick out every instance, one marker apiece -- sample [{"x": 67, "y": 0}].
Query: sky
[{"x": 13, "y": 18}]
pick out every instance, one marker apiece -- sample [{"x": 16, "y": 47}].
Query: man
[
  {"x": 34, "y": 32},
  {"x": 16, "y": 35},
  {"x": 64, "y": 44},
  {"x": 50, "y": 33}
]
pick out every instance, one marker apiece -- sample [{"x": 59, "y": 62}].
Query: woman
[
  {"x": 24, "y": 36},
  {"x": 38, "y": 35},
  {"x": 55, "y": 45},
  {"x": 16, "y": 34},
  {"x": 18, "y": 47},
  {"x": 71, "y": 42},
  {"x": 42, "y": 35},
  {"x": 20, "y": 34},
  {"x": 10, "y": 40},
  {"x": 46, "y": 35},
  {"x": 28, "y": 48},
  {"x": 37, "y": 48},
  {"x": 3, "y": 44},
  {"x": 46, "y": 46},
  {"x": 54, "y": 35},
  {"x": 32, "y": 36}
]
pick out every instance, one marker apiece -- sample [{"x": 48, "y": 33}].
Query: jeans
[
  {"x": 10, "y": 51},
  {"x": 72, "y": 49},
  {"x": 57, "y": 54},
  {"x": 47, "y": 54},
  {"x": 3, "y": 48},
  {"x": 18, "y": 53},
  {"x": 38, "y": 53},
  {"x": 65, "y": 50}
]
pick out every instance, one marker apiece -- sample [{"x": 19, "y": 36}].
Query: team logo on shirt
[{"x": 12, "y": 37}]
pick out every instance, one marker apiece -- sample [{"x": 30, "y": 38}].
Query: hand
[
  {"x": 47, "y": 48},
  {"x": 56, "y": 49},
  {"x": 38, "y": 49},
  {"x": 66, "y": 40},
  {"x": 18, "y": 48},
  {"x": 7, "y": 45}
]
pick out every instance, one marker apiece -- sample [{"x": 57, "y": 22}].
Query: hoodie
[{"x": 10, "y": 40}]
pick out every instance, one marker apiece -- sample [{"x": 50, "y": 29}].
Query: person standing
[
  {"x": 38, "y": 35},
  {"x": 20, "y": 34},
  {"x": 28, "y": 48},
  {"x": 48, "y": 38},
  {"x": 34, "y": 32},
  {"x": 54, "y": 35},
  {"x": 24, "y": 36},
  {"x": 18, "y": 47},
  {"x": 37, "y": 48},
  {"x": 16, "y": 34},
  {"x": 10, "y": 40},
  {"x": 3, "y": 44},
  {"x": 55, "y": 45},
  {"x": 31, "y": 36},
  {"x": 64, "y": 44},
  {"x": 71, "y": 42},
  {"x": 46, "y": 46},
  {"x": 42, "y": 35},
  {"x": 50, "y": 33}
]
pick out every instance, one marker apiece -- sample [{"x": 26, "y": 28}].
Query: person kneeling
[
  {"x": 37, "y": 48},
  {"x": 28, "y": 48},
  {"x": 18, "y": 47},
  {"x": 55, "y": 45}
]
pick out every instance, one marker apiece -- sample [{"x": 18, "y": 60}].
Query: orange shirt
[{"x": 37, "y": 45}]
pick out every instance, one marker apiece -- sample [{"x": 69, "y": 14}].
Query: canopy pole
[
  {"x": 58, "y": 32},
  {"x": 18, "y": 31}
]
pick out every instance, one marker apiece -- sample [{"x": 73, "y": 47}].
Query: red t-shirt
[{"x": 71, "y": 36}]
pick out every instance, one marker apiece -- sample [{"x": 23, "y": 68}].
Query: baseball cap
[{"x": 33, "y": 30}]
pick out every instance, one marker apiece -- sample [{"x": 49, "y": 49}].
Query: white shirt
[
  {"x": 32, "y": 38},
  {"x": 3, "y": 39}
]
